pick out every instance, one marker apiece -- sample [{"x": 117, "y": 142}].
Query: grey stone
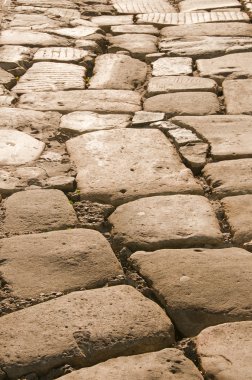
[
  {"x": 172, "y": 66},
  {"x": 238, "y": 96},
  {"x": 138, "y": 45},
  {"x": 30, "y": 38}
]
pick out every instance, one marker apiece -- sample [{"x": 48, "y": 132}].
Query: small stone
[
  {"x": 195, "y": 5},
  {"x": 172, "y": 66},
  {"x": 138, "y": 45},
  {"x": 106, "y": 21},
  {"x": 195, "y": 155},
  {"x": 238, "y": 96},
  {"x": 138, "y": 6},
  {"x": 182, "y": 136},
  {"x": 15, "y": 58},
  {"x": 142, "y": 117},
  {"x": 62, "y": 183}
]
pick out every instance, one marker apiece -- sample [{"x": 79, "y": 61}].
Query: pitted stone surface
[
  {"x": 238, "y": 96},
  {"x": 165, "y": 222},
  {"x": 30, "y": 38},
  {"x": 38, "y": 211},
  {"x": 60, "y": 54},
  {"x": 138, "y": 45},
  {"x": 172, "y": 66},
  {"x": 142, "y": 6},
  {"x": 196, "y": 5},
  {"x": 87, "y": 327},
  {"x": 199, "y": 287}
]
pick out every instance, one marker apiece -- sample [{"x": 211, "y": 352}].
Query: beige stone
[
  {"x": 107, "y": 21},
  {"x": 48, "y": 3},
  {"x": 225, "y": 351},
  {"x": 30, "y": 38},
  {"x": 195, "y": 5},
  {"x": 60, "y": 54},
  {"x": 6, "y": 79},
  {"x": 195, "y": 155},
  {"x": 238, "y": 96},
  {"x": 172, "y": 66},
  {"x": 15, "y": 58},
  {"x": 142, "y": 117},
  {"x": 77, "y": 32},
  {"x": 138, "y": 45},
  {"x": 140, "y": 6},
  {"x": 80, "y": 329},
  {"x": 33, "y": 22},
  {"x": 132, "y": 29}
]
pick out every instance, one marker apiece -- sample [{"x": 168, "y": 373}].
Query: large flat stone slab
[
  {"x": 113, "y": 173},
  {"x": 164, "y": 364},
  {"x": 142, "y": 6},
  {"x": 138, "y": 45},
  {"x": 34, "y": 211},
  {"x": 80, "y": 329},
  {"x": 175, "y": 221},
  {"x": 172, "y": 66},
  {"x": 104, "y": 101},
  {"x": 48, "y": 3},
  {"x": 184, "y": 103},
  {"x": 231, "y": 177},
  {"x": 30, "y": 38},
  {"x": 225, "y": 351},
  {"x": 118, "y": 72},
  {"x": 239, "y": 215},
  {"x": 77, "y": 32},
  {"x": 198, "y": 5},
  {"x": 107, "y": 21},
  {"x": 15, "y": 58},
  {"x": 139, "y": 29},
  {"x": 229, "y": 136},
  {"x": 60, "y": 54},
  {"x": 60, "y": 261},
  {"x": 238, "y": 96},
  {"x": 181, "y": 281},
  {"x": 33, "y": 21}
]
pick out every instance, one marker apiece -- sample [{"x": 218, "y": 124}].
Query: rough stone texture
[
  {"x": 142, "y": 117},
  {"x": 140, "y": 6},
  {"x": 118, "y": 72},
  {"x": 229, "y": 177},
  {"x": 87, "y": 327},
  {"x": 114, "y": 101},
  {"x": 113, "y": 173},
  {"x": 225, "y": 351},
  {"x": 168, "y": 364},
  {"x": 239, "y": 215},
  {"x": 138, "y": 45},
  {"x": 183, "y": 103},
  {"x": 199, "y": 287},
  {"x": 30, "y": 38},
  {"x": 139, "y": 29},
  {"x": 15, "y": 58},
  {"x": 49, "y": 3},
  {"x": 165, "y": 222},
  {"x": 33, "y": 21},
  {"x": 107, "y": 21},
  {"x": 60, "y": 261},
  {"x": 172, "y": 66},
  {"x": 195, "y": 5},
  {"x": 60, "y": 54},
  {"x": 77, "y": 32},
  {"x": 194, "y": 155},
  {"x": 238, "y": 96},
  {"x": 6, "y": 79},
  {"x": 38, "y": 211}
]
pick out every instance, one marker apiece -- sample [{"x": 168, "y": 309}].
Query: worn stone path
[{"x": 126, "y": 189}]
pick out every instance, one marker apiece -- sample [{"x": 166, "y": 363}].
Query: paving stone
[
  {"x": 172, "y": 66},
  {"x": 183, "y": 103},
  {"x": 60, "y": 54},
  {"x": 30, "y": 38},
  {"x": 142, "y": 117},
  {"x": 61, "y": 14},
  {"x": 195, "y": 5},
  {"x": 139, "y": 29},
  {"x": 118, "y": 72},
  {"x": 86, "y": 327},
  {"x": 142, "y": 6},
  {"x": 50, "y": 76},
  {"x": 15, "y": 58},
  {"x": 144, "y": 223},
  {"x": 17, "y": 148},
  {"x": 60, "y": 261},
  {"x": 34, "y": 211},
  {"x": 225, "y": 351},
  {"x": 77, "y": 123},
  {"x": 182, "y": 136},
  {"x": 107, "y": 21},
  {"x": 114, "y": 101},
  {"x": 231, "y": 177},
  {"x": 229, "y": 136},
  {"x": 33, "y": 21},
  {"x": 112, "y": 173},
  {"x": 238, "y": 96},
  {"x": 183, "y": 83},
  {"x": 138, "y": 45},
  {"x": 195, "y": 155},
  {"x": 48, "y": 3},
  {"x": 77, "y": 32},
  {"x": 167, "y": 364},
  {"x": 199, "y": 287},
  {"x": 239, "y": 211},
  {"x": 7, "y": 79},
  {"x": 7, "y": 100}
]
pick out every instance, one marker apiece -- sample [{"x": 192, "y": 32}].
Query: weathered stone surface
[
  {"x": 118, "y": 72},
  {"x": 48, "y": 3},
  {"x": 77, "y": 32},
  {"x": 112, "y": 173},
  {"x": 15, "y": 58},
  {"x": 6, "y": 79},
  {"x": 229, "y": 136},
  {"x": 60, "y": 54},
  {"x": 77, "y": 123},
  {"x": 163, "y": 365},
  {"x": 17, "y": 148},
  {"x": 140, "y": 6},
  {"x": 7, "y": 100},
  {"x": 114, "y": 101},
  {"x": 182, "y": 136},
  {"x": 199, "y": 287},
  {"x": 231, "y": 177},
  {"x": 107, "y": 21},
  {"x": 238, "y": 96},
  {"x": 139, "y": 29},
  {"x": 225, "y": 351},
  {"x": 239, "y": 214},
  {"x": 59, "y": 261},
  {"x": 233, "y": 66},
  {"x": 38, "y": 211},
  {"x": 142, "y": 117},
  {"x": 61, "y": 14},
  {"x": 184, "y": 103},
  {"x": 197, "y": 5},
  {"x": 195, "y": 155},
  {"x": 33, "y": 21},
  {"x": 30, "y": 38},
  {"x": 172, "y": 66},
  {"x": 165, "y": 222},
  {"x": 137, "y": 44},
  {"x": 183, "y": 83},
  {"x": 87, "y": 327},
  {"x": 50, "y": 76}
]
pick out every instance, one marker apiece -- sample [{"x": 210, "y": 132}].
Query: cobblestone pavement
[{"x": 126, "y": 190}]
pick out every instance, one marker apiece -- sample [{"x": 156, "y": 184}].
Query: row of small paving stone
[{"x": 125, "y": 189}]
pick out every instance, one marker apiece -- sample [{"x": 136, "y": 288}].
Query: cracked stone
[{"x": 238, "y": 96}]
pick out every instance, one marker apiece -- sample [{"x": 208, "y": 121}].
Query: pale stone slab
[
  {"x": 180, "y": 280},
  {"x": 81, "y": 329},
  {"x": 107, "y": 21},
  {"x": 50, "y": 76},
  {"x": 196, "y": 5},
  {"x": 162, "y": 365},
  {"x": 231, "y": 177},
  {"x": 60, "y": 261},
  {"x": 183, "y": 103},
  {"x": 238, "y": 96},
  {"x": 48, "y": 3},
  {"x": 170, "y": 84},
  {"x": 60, "y": 14},
  {"x": 195, "y": 155},
  {"x": 60, "y": 54},
  {"x": 104, "y": 101},
  {"x": 229, "y": 136},
  {"x": 142, "y": 117},
  {"x": 7, "y": 100},
  {"x": 225, "y": 351},
  {"x": 138, "y": 45},
  {"x": 142, "y": 6},
  {"x": 113, "y": 173},
  {"x": 30, "y": 38},
  {"x": 118, "y": 72},
  {"x": 33, "y": 21},
  {"x": 34, "y": 211},
  {"x": 15, "y": 58},
  {"x": 132, "y": 29},
  {"x": 172, "y": 66},
  {"x": 77, "y": 32},
  {"x": 6, "y": 79},
  {"x": 239, "y": 215},
  {"x": 17, "y": 148},
  {"x": 175, "y": 221},
  {"x": 77, "y": 123}
]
